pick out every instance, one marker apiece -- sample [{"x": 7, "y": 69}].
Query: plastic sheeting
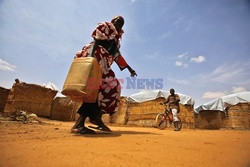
[
  {"x": 223, "y": 102},
  {"x": 50, "y": 85},
  {"x": 152, "y": 95}
]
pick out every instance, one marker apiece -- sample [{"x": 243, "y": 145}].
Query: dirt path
[{"x": 51, "y": 144}]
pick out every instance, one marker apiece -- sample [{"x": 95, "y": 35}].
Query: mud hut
[
  {"x": 30, "y": 98},
  {"x": 64, "y": 109},
  {"x": 143, "y": 108},
  {"x": 230, "y": 112},
  {"x": 3, "y": 97}
]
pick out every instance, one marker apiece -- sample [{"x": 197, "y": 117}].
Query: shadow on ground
[{"x": 114, "y": 134}]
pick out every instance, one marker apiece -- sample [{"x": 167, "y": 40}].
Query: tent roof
[
  {"x": 50, "y": 85},
  {"x": 154, "y": 94},
  {"x": 222, "y": 102}
]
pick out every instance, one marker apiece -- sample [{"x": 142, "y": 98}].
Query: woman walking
[{"x": 105, "y": 48}]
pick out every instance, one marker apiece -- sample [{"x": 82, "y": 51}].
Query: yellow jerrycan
[{"x": 83, "y": 80}]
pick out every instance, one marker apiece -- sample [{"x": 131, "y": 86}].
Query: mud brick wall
[
  {"x": 3, "y": 97},
  {"x": 30, "y": 98},
  {"x": 64, "y": 109},
  {"x": 143, "y": 114},
  {"x": 208, "y": 119},
  {"x": 235, "y": 117},
  {"x": 120, "y": 117}
]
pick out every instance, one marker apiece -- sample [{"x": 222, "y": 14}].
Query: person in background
[
  {"x": 17, "y": 80},
  {"x": 173, "y": 104},
  {"x": 105, "y": 48}
]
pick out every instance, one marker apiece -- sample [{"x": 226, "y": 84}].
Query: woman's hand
[
  {"x": 132, "y": 72},
  {"x": 78, "y": 54}
]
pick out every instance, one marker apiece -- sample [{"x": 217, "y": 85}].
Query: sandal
[
  {"x": 93, "y": 122},
  {"x": 82, "y": 130},
  {"x": 85, "y": 130},
  {"x": 75, "y": 130},
  {"x": 101, "y": 128},
  {"x": 100, "y": 125}
]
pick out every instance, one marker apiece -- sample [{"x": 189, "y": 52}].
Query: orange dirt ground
[{"x": 51, "y": 144}]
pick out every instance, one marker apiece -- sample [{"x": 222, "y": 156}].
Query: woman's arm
[
  {"x": 95, "y": 44},
  {"x": 120, "y": 61},
  {"x": 132, "y": 72}
]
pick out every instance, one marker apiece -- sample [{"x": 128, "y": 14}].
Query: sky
[{"x": 198, "y": 47}]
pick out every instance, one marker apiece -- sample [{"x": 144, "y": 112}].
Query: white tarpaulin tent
[
  {"x": 50, "y": 85},
  {"x": 154, "y": 94},
  {"x": 222, "y": 103}
]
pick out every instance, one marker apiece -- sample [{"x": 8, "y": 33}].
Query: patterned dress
[{"x": 110, "y": 90}]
